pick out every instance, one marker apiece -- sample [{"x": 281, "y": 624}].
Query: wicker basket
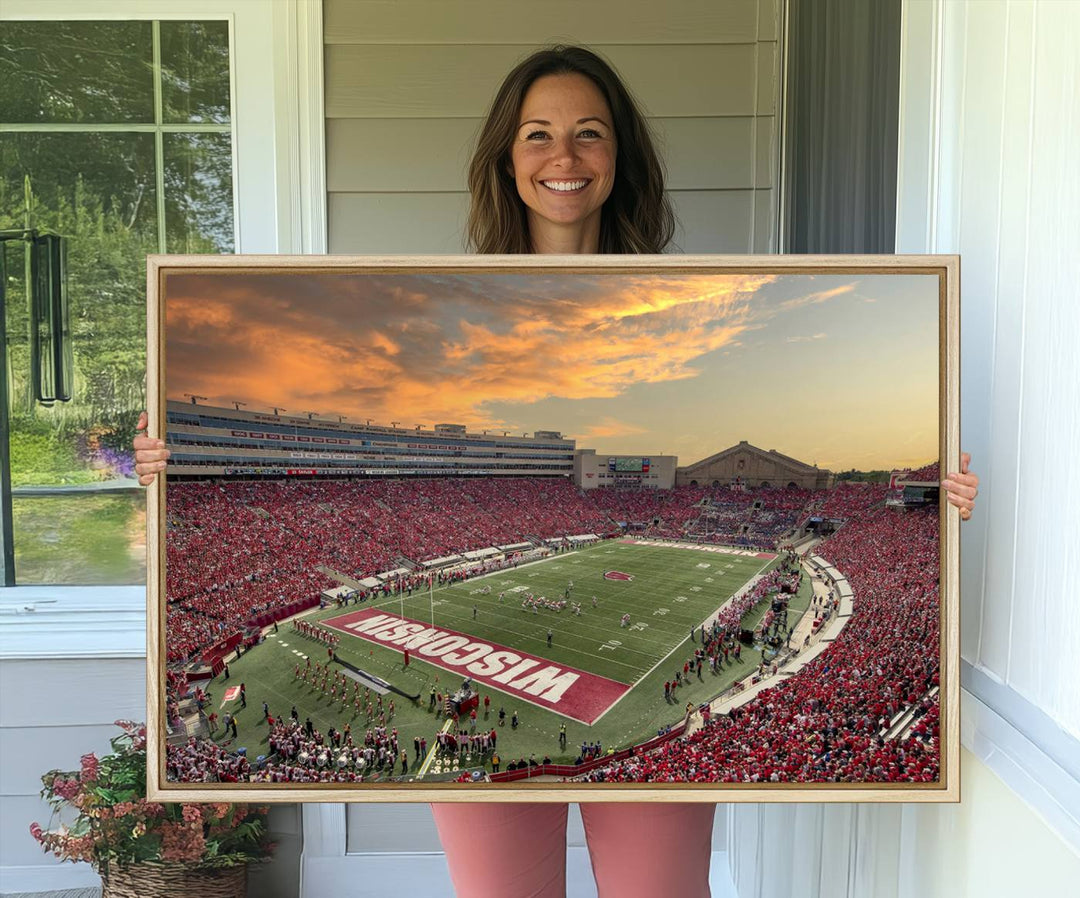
[{"x": 149, "y": 880}]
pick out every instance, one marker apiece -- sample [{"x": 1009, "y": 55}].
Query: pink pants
[{"x": 638, "y": 850}]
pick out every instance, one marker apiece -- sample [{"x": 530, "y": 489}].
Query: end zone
[{"x": 576, "y": 694}]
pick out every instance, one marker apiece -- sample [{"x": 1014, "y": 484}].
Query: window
[{"x": 118, "y": 136}]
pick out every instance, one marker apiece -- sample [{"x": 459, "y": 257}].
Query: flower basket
[
  {"x": 173, "y": 880},
  {"x": 147, "y": 849}
]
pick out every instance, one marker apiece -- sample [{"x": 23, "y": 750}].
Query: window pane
[
  {"x": 76, "y": 72},
  {"x": 98, "y": 191},
  {"x": 198, "y": 193},
  {"x": 82, "y": 539},
  {"x": 79, "y": 516},
  {"x": 195, "y": 72}
]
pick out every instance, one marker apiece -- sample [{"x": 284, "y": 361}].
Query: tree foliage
[{"x": 99, "y": 190}]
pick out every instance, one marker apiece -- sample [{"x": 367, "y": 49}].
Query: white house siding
[{"x": 54, "y": 711}]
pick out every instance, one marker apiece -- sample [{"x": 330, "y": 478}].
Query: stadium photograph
[{"x": 549, "y": 528}]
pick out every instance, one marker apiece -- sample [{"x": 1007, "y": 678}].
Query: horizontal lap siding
[
  {"x": 460, "y": 80},
  {"x": 408, "y": 83},
  {"x": 54, "y": 712},
  {"x": 478, "y": 22},
  {"x": 380, "y": 155}
]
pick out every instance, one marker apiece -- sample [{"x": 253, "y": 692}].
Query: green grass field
[{"x": 673, "y": 589}]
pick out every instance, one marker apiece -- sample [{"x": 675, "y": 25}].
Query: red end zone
[{"x": 574, "y": 693}]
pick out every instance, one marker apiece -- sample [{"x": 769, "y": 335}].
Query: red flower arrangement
[{"x": 115, "y": 824}]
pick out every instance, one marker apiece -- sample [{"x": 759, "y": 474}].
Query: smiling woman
[
  {"x": 561, "y": 117},
  {"x": 563, "y": 162}
]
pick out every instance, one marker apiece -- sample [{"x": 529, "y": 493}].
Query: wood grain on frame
[{"x": 946, "y": 268}]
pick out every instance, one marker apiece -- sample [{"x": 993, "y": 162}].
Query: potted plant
[{"x": 143, "y": 848}]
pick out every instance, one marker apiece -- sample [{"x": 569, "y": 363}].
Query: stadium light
[
  {"x": 194, "y": 399},
  {"x": 238, "y": 404},
  {"x": 341, "y": 418},
  {"x": 310, "y": 415},
  {"x": 278, "y": 410},
  {"x": 394, "y": 424}
]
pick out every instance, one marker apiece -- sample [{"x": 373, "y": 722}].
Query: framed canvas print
[{"x": 553, "y": 528}]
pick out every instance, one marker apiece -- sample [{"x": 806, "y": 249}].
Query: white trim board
[
  {"x": 1049, "y": 788},
  {"x": 39, "y": 622}
]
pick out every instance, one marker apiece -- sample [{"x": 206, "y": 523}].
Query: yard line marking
[{"x": 635, "y": 684}]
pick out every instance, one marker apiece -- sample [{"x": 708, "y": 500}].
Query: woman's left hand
[{"x": 962, "y": 488}]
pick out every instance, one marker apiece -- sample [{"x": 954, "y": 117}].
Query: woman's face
[{"x": 563, "y": 155}]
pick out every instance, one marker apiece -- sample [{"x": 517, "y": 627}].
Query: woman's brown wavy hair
[{"x": 637, "y": 216}]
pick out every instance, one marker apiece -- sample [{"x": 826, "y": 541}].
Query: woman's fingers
[
  {"x": 150, "y": 453},
  {"x": 961, "y": 488},
  {"x": 145, "y": 466},
  {"x": 965, "y": 485}
]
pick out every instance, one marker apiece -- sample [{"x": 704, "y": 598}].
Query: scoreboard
[
  {"x": 632, "y": 471},
  {"x": 628, "y": 464}
]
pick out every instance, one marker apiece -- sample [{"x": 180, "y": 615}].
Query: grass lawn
[{"x": 672, "y": 590}]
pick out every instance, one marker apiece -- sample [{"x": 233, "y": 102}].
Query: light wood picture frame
[{"x": 717, "y": 554}]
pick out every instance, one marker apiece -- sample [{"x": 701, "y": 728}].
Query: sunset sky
[{"x": 837, "y": 370}]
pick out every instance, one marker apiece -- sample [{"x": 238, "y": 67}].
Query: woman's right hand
[{"x": 150, "y": 454}]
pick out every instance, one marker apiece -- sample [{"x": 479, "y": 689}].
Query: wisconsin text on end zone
[{"x": 576, "y": 694}]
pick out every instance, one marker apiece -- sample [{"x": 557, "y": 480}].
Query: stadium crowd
[
  {"x": 240, "y": 550},
  {"x": 829, "y": 722}
]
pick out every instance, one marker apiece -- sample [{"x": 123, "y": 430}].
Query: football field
[
  {"x": 669, "y": 591},
  {"x": 602, "y": 680}
]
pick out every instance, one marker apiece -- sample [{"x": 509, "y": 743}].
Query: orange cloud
[
  {"x": 818, "y": 297},
  {"x": 444, "y": 347}
]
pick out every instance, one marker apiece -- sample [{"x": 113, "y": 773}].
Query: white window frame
[{"x": 276, "y": 49}]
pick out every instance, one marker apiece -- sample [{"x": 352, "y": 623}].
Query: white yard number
[
  {"x": 708, "y": 580},
  {"x": 681, "y": 599},
  {"x": 695, "y": 589},
  {"x": 638, "y": 626},
  {"x": 439, "y": 602},
  {"x": 660, "y": 612},
  {"x": 610, "y": 645}
]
